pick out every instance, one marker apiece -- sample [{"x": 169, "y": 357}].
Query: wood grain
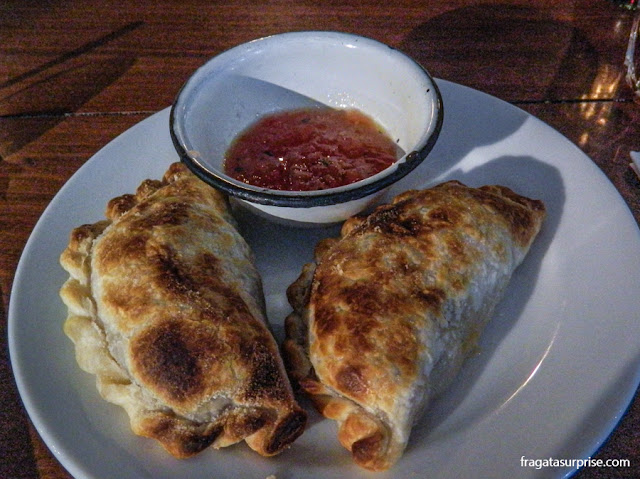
[{"x": 75, "y": 74}]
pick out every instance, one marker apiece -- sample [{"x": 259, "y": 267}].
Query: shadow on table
[
  {"x": 512, "y": 52},
  {"x": 64, "y": 84}
]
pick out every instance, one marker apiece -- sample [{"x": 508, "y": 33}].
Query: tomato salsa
[{"x": 309, "y": 149}]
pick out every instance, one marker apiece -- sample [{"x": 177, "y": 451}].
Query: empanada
[
  {"x": 166, "y": 308},
  {"x": 385, "y": 316}
]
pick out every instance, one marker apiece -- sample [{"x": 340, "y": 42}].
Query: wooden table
[{"x": 75, "y": 74}]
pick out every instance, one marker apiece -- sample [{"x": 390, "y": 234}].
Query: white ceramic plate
[{"x": 558, "y": 364}]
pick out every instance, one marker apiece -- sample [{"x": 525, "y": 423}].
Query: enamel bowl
[{"x": 298, "y": 70}]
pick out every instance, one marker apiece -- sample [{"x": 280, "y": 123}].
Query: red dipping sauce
[{"x": 309, "y": 149}]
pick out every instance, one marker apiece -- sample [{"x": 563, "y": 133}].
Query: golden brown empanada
[
  {"x": 166, "y": 308},
  {"x": 387, "y": 313}
]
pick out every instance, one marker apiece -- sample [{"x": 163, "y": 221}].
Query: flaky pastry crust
[
  {"x": 166, "y": 308},
  {"x": 386, "y": 314}
]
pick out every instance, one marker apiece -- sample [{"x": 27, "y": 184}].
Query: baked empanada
[
  {"x": 166, "y": 308},
  {"x": 385, "y": 316}
]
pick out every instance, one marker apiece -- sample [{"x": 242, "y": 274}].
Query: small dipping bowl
[{"x": 300, "y": 70}]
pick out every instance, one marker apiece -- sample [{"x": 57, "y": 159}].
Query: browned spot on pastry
[
  {"x": 352, "y": 223},
  {"x": 136, "y": 299},
  {"x": 350, "y": 379},
  {"x": 443, "y": 216},
  {"x": 161, "y": 214},
  {"x": 326, "y": 321},
  {"x": 201, "y": 280},
  {"x": 175, "y": 171},
  {"x": 265, "y": 381},
  {"x": 515, "y": 212},
  {"x": 126, "y": 247},
  {"x": 116, "y": 249},
  {"x": 208, "y": 272},
  {"x": 246, "y": 422},
  {"x": 404, "y": 219},
  {"x": 368, "y": 449},
  {"x": 363, "y": 298},
  {"x": 287, "y": 431},
  {"x": 432, "y": 298},
  {"x": 367, "y": 438},
  {"x": 148, "y": 187},
  {"x": 182, "y": 437},
  {"x": 195, "y": 443},
  {"x": 389, "y": 220},
  {"x": 168, "y": 358},
  {"x": 173, "y": 274},
  {"x": 81, "y": 233},
  {"x": 455, "y": 247},
  {"x": 119, "y": 206}
]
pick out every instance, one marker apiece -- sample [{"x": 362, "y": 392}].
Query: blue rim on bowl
[{"x": 213, "y": 83}]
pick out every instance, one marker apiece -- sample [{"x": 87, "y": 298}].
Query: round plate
[{"x": 557, "y": 366}]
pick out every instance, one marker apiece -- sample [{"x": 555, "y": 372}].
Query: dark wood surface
[{"x": 75, "y": 74}]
